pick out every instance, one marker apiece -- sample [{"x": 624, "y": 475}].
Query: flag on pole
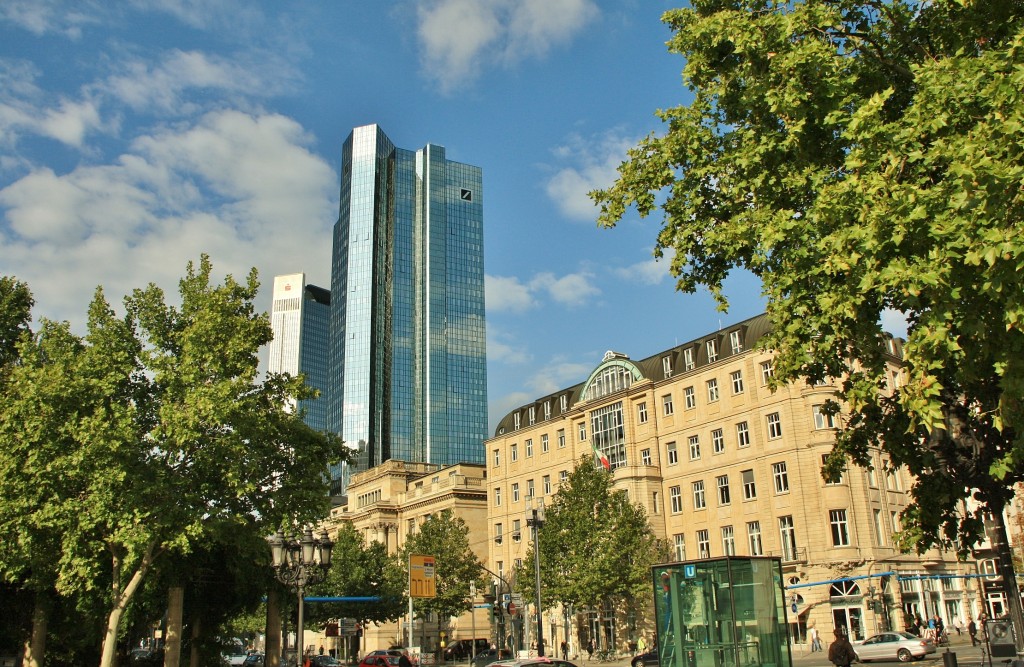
[{"x": 600, "y": 456}]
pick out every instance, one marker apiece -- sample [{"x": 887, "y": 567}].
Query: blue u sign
[{"x": 689, "y": 571}]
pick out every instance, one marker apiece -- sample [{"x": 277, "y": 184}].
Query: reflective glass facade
[
  {"x": 300, "y": 319},
  {"x": 408, "y": 351}
]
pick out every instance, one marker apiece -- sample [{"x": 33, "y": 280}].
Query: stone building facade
[{"x": 726, "y": 466}]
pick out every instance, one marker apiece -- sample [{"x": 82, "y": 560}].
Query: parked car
[
  {"x": 460, "y": 649},
  {"x": 901, "y": 646},
  {"x": 380, "y": 659},
  {"x": 254, "y": 660},
  {"x": 491, "y": 655},
  {"x": 648, "y": 659},
  {"x": 324, "y": 661},
  {"x": 533, "y": 662}
]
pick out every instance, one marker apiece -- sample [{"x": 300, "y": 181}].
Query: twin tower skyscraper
[{"x": 397, "y": 346}]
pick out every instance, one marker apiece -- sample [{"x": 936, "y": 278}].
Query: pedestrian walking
[
  {"x": 590, "y": 649},
  {"x": 840, "y": 652},
  {"x": 641, "y": 645},
  {"x": 972, "y": 630},
  {"x": 403, "y": 660},
  {"x": 814, "y": 638},
  {"x": 565, "y": 650}
]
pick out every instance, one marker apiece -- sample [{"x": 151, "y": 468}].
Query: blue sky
[{"x": 135, "y": 135}]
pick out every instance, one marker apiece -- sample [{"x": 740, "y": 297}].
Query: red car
[{"x": 379, "y": 660}]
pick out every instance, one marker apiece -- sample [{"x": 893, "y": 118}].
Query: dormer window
[
  {"x": 533, "y": 415},
  {"x": 712, "y": 347},
  {"x": 515, "y": 419},
  {"x": 688, "y": 363},
  {"x": 666, "y": 366},
  {"x": 735, "y": 342}
]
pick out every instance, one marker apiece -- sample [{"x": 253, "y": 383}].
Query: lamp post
[
  {"x": 300, "y": 562},
  {"x": 535, "y": 519}
]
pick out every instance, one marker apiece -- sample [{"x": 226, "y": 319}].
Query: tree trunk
[
  {"x": 273, "y": 643},
  {"x": 121, "y": 599},
  {"x": 1001, "y": 545},
  {"x": 193, "y": 656},
  {"x": 35, "y": 647},
  {"x": 172, "y": 643}
]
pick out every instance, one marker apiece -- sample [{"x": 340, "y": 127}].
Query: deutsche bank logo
[{"x": 689, "y": 571}]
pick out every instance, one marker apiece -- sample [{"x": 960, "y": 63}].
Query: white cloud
[
  {"x": 161, "y": 86},
  {"x": 41, "y": 17},
  {"x": 503, "y": 348},
  {"x": 245, "y": 189},
  {"x": 460, "y": 37},
  {"x": 507, "y": 294},
  {"x": 650, "y": 272},
  {"x": 574, "y": 289},
  {"x": 594, "y": 164}
]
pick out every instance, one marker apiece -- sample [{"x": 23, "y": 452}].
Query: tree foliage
[
  {"x": 360, "y": 570},
  {"x": 129, "y": 445},
  {"x": 858, "y": 157},
  {"x": 595, "y": 545},
  {"x": 446, "y": 537}
]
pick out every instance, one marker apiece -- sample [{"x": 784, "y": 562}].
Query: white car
[{"x": 901, "y": 646}]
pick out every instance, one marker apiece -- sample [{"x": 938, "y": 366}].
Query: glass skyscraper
[
  {"x": 300, "y": 319},
  {"x": 408, "y": 352}
]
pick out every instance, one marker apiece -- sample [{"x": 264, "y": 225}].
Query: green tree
[
  {"x": 596, "y": 546},
  {"x": 362, "y": 570},
  {"x": 126, "y": 446},
  {"x": 446, "y": 537},
  {"x": 15, "y": 314},
  {"x": 862, "y": 156}
]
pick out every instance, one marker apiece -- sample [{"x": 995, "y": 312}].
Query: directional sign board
[{"x": 422, "y": 583}]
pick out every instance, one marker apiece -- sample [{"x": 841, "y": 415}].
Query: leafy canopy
[
  {"x": 446, "y": 537},
  {"x": 861, "y": 157}
]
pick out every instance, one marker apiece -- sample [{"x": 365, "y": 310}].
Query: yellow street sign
[{"x": 422, "y": 583}]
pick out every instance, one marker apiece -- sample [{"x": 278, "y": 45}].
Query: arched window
[{"x": 842, "y": 589}]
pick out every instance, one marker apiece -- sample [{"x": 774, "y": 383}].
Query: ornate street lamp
[
  {"x": 535, "y": 519},
  {"x": 300, "y": 562}
]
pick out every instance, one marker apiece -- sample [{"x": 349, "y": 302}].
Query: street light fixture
[
  {"x": 300, "y": 562},
  {"x": 535, "y": 519}
]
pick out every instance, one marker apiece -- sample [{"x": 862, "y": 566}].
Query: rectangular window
[
  {"x": 724, "y": 497},
  {"x": 666, "y": 402},
  {"x": 498, "y": 533},
  {"x": 754, "y": 538},
  {"x": 749, "y": 485},
  {"x": 533, "y": 415},
  {"x": 529, "y": 488},
  {"x": 546, "y": 482},
  {"x": 641, "y": 413},
  {"x": 735, "y": 342},
  {"x": 497, "y": 457},
  {"x": 690, "y": 398},
  {"x": 767, "y": 371},
  {"x": 515, "y": 492},
  {"x": 583, "y": 431},
  {"x": 655, "y": 503},
  {"x": 712, "y": 348},
  {"x": 645, "y": 456},
  {"x": 698, "y": 496},
  {"x": 703, "y": 544},
  {"x": 742, "y": 435},
  {"x": 728, "y": 541},
  {"x": 560, "y": 436},
  {"x": 694, "y": 442},
  {"x": 666, "y": 366},
  {"x": 545, "y": 444},
  {"x": 822, "y": 420},
  {"x": 547, "y": 409},
  {"x": 781, "y": 477},
  {"x": 672, "y": 454},
  {"x": 774, "y": 425},
  {"x": 824, "y": 457},
  {"x": 787, "y": 534},
  {"x": 737, "y": 382},
  {"x": 563, "y": 475},
  {"x": 563, "y": 402},
  {"x": 717, "y": 441},
  {"x": 894, "y": 521},
  {"x": 679, "y": 546},
  {"x": 876, "y": 515},
  {"x": 529, "y": 447},
  {"x": 840, "y": 529},
  {"x": 675, "y": 498},
  {"x": 872, "y": 475},
  {"x": 688, "y": 359},
  {"x": 712, "y": 390},
  {"x": 513, "y": 452},
  {"x": 517, "y": 532},
  {"x": 497, "y": 496},
  {"x": 516, "y": 418}
]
